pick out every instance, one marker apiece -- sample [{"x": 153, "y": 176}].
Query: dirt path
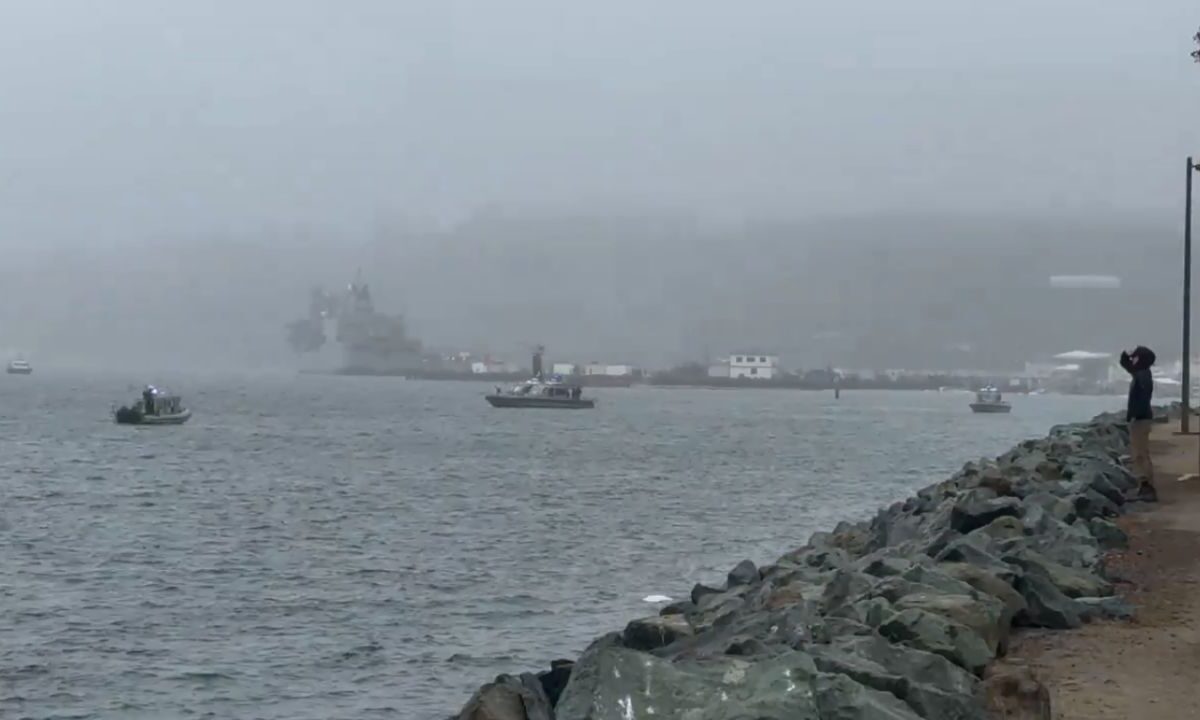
[{"x": 1147, "y": 669}]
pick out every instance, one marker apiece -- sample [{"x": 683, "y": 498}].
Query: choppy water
[{"x": 318, "y": 547}]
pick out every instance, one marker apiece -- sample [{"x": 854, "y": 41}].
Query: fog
[{"x": 870, "y": 185}]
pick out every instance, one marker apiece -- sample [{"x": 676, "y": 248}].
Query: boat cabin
[
  {"x": 156, "y": 401},
  {"x": 988, "y": 395},
  {"x": 554, "y": 388}
]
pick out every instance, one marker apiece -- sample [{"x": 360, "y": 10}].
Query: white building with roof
[{"x": 753, "y": 366}]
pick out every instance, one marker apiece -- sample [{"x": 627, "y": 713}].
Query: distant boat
[
  {"x": 546, "y": 394},
  {"x": 537, "y": 392},
  {"x": 157, "y": 407},
  {"x": 988, "y": 400},
  {"x": 19, "y": 366}
]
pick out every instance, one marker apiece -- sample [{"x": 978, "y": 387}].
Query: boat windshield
[{"x": 988, "y": 395}]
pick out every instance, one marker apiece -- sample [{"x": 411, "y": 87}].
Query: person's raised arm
[{"x": 1126, "y": 362}]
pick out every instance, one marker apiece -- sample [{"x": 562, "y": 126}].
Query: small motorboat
[
  {"x": 20, "y": 366},
  {"x": 988, "y": 400},
  {"x": 542, "y": 392},
  {"x": 539, "y": 393},
  {"x": 157, "y": 407}
]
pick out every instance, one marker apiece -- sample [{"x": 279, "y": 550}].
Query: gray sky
[
  {"x": 189, "y": 169},
  {"x": 142, "y": 118}
]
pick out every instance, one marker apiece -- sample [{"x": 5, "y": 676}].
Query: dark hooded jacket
[{"x": 1141, "y": 383}]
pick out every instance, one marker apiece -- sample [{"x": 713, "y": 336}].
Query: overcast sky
[{"x": 142, "y": 118}]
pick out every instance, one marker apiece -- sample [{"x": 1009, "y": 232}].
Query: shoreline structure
[{"x": 894, "y": 618}]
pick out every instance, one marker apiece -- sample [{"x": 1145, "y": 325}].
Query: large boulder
[
  {"x": 1073, "y": 582},
  {"x": 701, "y": 591},
  {"x": 755, "y": 632},
  {"x": 918, "y": 666},
  {"x": 977, "y": 550},
  {"x": 656, "y": 631},
  {"x": 509, "y": 698},
  {"x": 906, "y": 676},
  {"x": 1003, "y": 528},
  {"x": 939, "y": 635},
  {"x": 554, "y": 680},
  {"x": 976, "y": 508},
  {"x": 988, "y": 618},
  {"x": 1045, "y": 605},
  {"x": 999, "y": 586},
  {"x": 1108, "y": 535},
  {"x": 932, "y": 576},
  {"x": 613, "y": 683},
  {"x": 1089, "y": 504},
  {"x": 839, "y": 697},
  {"x": 744, "y": 573},
  {"x": 845, "y": 586}
]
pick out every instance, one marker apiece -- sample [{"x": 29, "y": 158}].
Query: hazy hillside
[{"x": 881, "y": 290}]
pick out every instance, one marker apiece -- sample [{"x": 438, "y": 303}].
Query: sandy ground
[{"x": 1148, "y": 668}]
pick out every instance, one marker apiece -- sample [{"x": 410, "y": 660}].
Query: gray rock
[
  {"x": 932, "y": 576},
  {"x": 974, "y": 549},
  {"x": 836, "y": 659},
  {"x": 1003, "y": 527},
  {"x": 654, "y": 632},
  {"x": 999, "y": 586},
  {"x": 1103, "y": 486},
  {"x": 931, "y": 702},
  {"x": 831, "y": 629},
  {"x": 1069, "y": 545},
  {"x": 555, "y": 679},
  {"x": 939, "y": 635},
  {"x": 886, "y": 565},
  {"x": 1058, "y": 507},
  {"x": 935, "y": 543},
  {"x": 783, "y": 628},
  {"x": 680, "y": 607},
  {"x": 984, "y": 615},
  {"x": 976, "y": 508},
  {"x": 509, "y": 698},
  {"x": 700, "y": 591},
  {"x": 868, "y": 611},
  {"x": 846, "y": 585},
  {"x": 744, "y": 573},
  {"x": 1108, "y": 535},
  {"x": 830, "y": 558},
  {"x": 795, "y": 592},
  {"x": 612, "y": 683},
  {"x": 838, "y": 697},
  {"x": 852, "y": 538},
  {"x": 1073, "y": 582},
  {"x": 1089, "y": 504},
  {"x": 1046, "y": 606},
  {"x": 1107, "y": 608},
  {"x": 918, "y": 666}
]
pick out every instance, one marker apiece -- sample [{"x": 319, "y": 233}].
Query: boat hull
[
  {"x": 991, "y": 408},
  {"x": 19, "y": 371},
  {"x": 132, "y": 418},
  {"x": 543, "y": 403}
]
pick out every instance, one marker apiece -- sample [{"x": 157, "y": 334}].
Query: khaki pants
[{"x": 1139, "y": 448}]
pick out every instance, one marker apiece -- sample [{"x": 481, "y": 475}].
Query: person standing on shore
[{"x": 1140, "y": 416}]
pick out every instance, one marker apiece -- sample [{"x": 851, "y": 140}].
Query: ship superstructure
[{"x": 373, "y": 343}]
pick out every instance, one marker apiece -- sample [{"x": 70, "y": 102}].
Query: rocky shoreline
[{"x": 893, "y": 618}]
